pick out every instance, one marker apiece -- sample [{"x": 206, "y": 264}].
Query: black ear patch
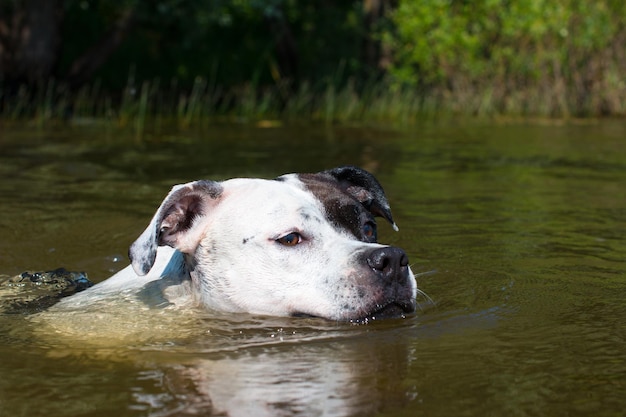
[
  {"x": 174, "y": 218},
  {"x": 351, "y": 198},
  {"x": 365, "y": 188},
  {"x": 178, "y": 218}
]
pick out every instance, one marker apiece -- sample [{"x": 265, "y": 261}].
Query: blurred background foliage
[
  {"x": 545, "y": 56},
  {"x": 227, "y": 42},
  {"x": 388, "y": 59}
]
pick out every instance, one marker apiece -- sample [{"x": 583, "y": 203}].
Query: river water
[{"x": 516, "y": 232}]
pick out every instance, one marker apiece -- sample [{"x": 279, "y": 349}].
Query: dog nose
[{"x": 389, "y": 262}]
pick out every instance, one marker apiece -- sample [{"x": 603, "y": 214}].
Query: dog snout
[{"x": 390, "y": 263}]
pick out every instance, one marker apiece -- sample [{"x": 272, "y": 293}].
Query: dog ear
[
  {"x": 362, "y": 185},
  {"x": 175, "y": 223}
]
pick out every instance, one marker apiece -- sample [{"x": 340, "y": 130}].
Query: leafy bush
[{"x": 514, "y": 56}]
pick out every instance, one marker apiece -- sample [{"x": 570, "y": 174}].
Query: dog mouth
[{"x": 391, "y": 310}]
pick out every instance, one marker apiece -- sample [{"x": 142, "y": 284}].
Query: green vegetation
[
  {"x": 144, "y": 64},
  {"x": 546, "y": 57}
]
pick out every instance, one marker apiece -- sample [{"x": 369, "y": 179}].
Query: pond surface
[{"x": 516, "y": 232}]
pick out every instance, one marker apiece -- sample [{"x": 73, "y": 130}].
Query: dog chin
[{"x": 391, "y": 310}]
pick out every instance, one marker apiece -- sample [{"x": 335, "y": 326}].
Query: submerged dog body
[{"x": 299, "y": 245}]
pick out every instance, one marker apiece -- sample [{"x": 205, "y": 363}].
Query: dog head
[{"x": 299, "y": 245}]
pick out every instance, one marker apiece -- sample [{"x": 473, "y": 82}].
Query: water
[{"x": 517, "y": 232}]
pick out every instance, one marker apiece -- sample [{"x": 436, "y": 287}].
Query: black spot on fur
[
  {"x": 351, "y": 197},
  {"x": 146, "y": 266}
]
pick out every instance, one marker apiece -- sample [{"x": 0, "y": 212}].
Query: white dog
[{"x": 299, "y": 245}]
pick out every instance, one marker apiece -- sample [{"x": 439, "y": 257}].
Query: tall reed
[{"x": 153, "y": 106}]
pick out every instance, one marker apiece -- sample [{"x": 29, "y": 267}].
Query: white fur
[{"x": 238, "y": 266}]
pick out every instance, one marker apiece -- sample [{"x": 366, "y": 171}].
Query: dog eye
[
  {"x": 291, "y": 239},
  {"x": 369, "y": 230}
]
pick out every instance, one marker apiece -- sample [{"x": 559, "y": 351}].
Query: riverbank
[{"x": 150, "y": 105}]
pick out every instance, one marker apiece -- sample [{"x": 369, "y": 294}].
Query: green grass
[{"x": 150, "y": 105}]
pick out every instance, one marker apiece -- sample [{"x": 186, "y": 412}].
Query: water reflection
[
  {"x": 228, "y": 365},
  {"x": 335, "y": 378}
]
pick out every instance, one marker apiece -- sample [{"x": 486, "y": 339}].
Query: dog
[{"x": 300, "y": 245}]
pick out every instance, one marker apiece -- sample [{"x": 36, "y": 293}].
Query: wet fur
[{"x": 214, "y": 245}]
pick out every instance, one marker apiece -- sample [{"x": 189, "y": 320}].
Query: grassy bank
[{"x": 151, "y": 104}]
